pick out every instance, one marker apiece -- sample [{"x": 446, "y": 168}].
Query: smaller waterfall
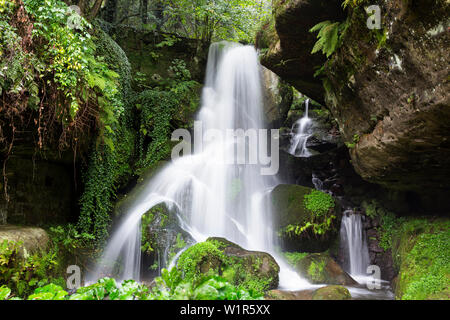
[
  {"x": 354, "y": 244},
  {"x": 301, "y": 131}
]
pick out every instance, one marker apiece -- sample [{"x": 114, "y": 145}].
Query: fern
[{"x": 328, "y": 37}]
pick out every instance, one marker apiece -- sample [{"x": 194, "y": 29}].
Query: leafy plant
[{"x": 329, "y": 35}]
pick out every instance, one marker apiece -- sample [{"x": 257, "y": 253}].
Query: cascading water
[
  {"x": 300, "y": 134},
  {"x": 211, "y": 196},
  {"x": 354, "y": 244}
]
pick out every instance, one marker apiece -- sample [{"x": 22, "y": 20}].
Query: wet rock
[
  {"x": 332, "y": 293},
  {"x": 321, "y": 268},
  {"x": 288, "y": 204},
  {"x": 289, "y": 295},
  {"x": 251, "y": 269}
]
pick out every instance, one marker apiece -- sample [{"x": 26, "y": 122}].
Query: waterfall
[
  {"x": 211, "y": 196},
  {"x": 354, "y": 244},
  {"x": 300, "y": 134}
]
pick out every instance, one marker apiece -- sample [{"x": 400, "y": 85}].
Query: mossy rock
[
  {"x": 332, "y": 293},
  {"x": 289, "y": 295},
  {"x": 420, "y": 250},
  {"x": 251, "y": 270},
  {"x": 33, "y": 239},
  {"x": 321, "y": 268},
  {"x": 290, "y": 209}
]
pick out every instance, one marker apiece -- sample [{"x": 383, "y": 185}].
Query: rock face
[
  {"x": 40, "y": 191},
  {"x": 332, "y": 293},
  {"x": 291, "y": 42},
  {"x": 321, "y": 268},
  {"x": 33, "y": 239},
  {"x": 289, "y": 205},
  {"x": 277, "y": 98},
  {"x": 251, "y": 269},
  {"x": 387, "y": 89}
]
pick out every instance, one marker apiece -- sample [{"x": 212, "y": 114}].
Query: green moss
[
  {"x": 257, "y": 272},
  {"x": 294, "y": 257},
  {"x": 332, "y": 293},
  {"x": 315, "y": 271},
  {"x": 421, "y": 252},
  {"x": 318, "y": 202},
  {"x": 199, "y": 260}
]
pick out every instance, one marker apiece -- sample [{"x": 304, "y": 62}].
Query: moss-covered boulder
[
  {"x": 32, "y": 239},
  {"x": 306, "y": 218},
  {"x": 421, "y": 254},
  {"x": 321, "y": 268},
  {"x": 252, "y": 270},
  {"x": 332, "y": 293}
]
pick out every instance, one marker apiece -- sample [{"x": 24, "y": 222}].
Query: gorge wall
[{"x": 386, "y": 88}]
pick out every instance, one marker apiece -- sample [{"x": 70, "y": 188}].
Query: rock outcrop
[
  {"x": 288, "y": 54},
  {"x": 321, "y": 268},
  {"x": 387, "y": 88},
  {"x": 33, "y": 239},
  {"x": 332, "y": 293},
  {"x": 250, "y": 269},
  {"x": 289, "y": 203}
]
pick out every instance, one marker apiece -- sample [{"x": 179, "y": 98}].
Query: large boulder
[
  {"x": 332, "y": 293},
  {"x": 292, "y": 212},
  {"x": 289, "y": 295},
  {"x": 250, "y": 269},
  {"x": 33, "y": 239},
  {"x": 321, "y": 268},
  {"x": 387, "y": 88},
  {"x": 289, "y": 42}
]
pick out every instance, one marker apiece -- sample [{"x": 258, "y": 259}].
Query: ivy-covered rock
[
  {"x": 321, "y": 268},
  {"x": 252, "y": 270},
  {"x": 332, "y": 293},
  {"x": 306, "y": 218}
]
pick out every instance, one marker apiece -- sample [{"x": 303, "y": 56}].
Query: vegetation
[
  {"x": 320, "y": 206},
  {"x": 420, "y": 249}
]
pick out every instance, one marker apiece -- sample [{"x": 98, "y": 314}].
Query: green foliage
[
  {"x": 294, "y": 257},
  {"x": 70, "y": 238},
  {"x": 320, "y": 205},
  {"x": 352, "y": 144},
  {"x": 352, "y": 3},
  {"x": 215, "y": 20},
  {"x": 191, "y": 258},
  {"x": 22, "y": 271},
  {"x": 318, "y": 202},
  {"x": 211, "y": 287},
  {"x": 421, "y": 252},
  {"x": 4, "y": 292},
  {"x": 329, "y": 36}
]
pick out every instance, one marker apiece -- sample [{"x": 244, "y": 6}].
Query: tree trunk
[{"x": 95, "y": 9}]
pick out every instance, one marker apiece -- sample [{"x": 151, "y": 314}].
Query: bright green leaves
[
  {"x": 4, "y": 292},
  {"x": 171, "y": 286},
  {"x": 48, "y": 292},
  {"x": 318, "y": 202},
  {"x": 328, "y": 37}
]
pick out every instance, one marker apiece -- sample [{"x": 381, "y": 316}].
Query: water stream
[
  {"x": 301, "y": 131},
  {"x": 211, "y": 196}
]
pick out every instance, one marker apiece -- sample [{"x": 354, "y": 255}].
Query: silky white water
[
  {"x": 211, "y": 196},
  {"x": 353, "y": 239},
  {"x": 301, "y": 131}
]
